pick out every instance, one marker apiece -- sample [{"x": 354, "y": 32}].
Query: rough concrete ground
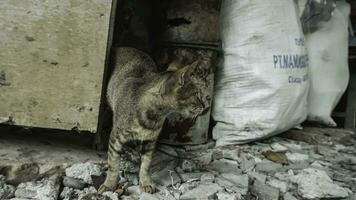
[{"x": 314, "y": 163}]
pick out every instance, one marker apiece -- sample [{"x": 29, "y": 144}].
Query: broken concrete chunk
[
  {"x": 268, "y": 167},
  {"x": 316, "y": 184},
  {"x": 189, "y": 177},
  {"x": 6, "y": 191},
  {"x": 278, "y": 147},
  {"x": 217, "y": 154},
  {"x": 201, "y": 158},
  {"x": 264, "y": 192},
  {"x": 232, "y": 154},
  {"x": 73, "y": 183},
  {"x": 134, "y": 191},
  {"x": 283, "y": 176},
  {"x": 84, "y": 171},
  {"x": 281, "y": 185},
  {"x": 202, "y": 192},
  {"x": 46, "y": 189},
  {"x": 94, "y": 196},
  {"x": 227, "y": 196},
  {"x": 75, "y": 194},
  {"x": 207, "y": 178},
  {"x": 257, "y": 176},
  {"x": 247, "y": 165},
  {"x": 111, "y": 195},
  {"x": 233, "y": 182},
  {"x": 188, "y": 186},
  {"x": 289, "y": 196},
  {"x": 352, "y": 197},
  {"x": 166, "y": 177},
  {"x": 164, "y": 194},
  {"x": 297, "y": 157},
  {"x": 17, "y": 173},
  {"x": 296, "y": 166},
  {"x": 146, "y": 196},
  {"x": 292, "y": 146},
  {"x": 326, "y": 151},
  {"x": 225, "y": 166},
  {"x": 68, "y": 194}
]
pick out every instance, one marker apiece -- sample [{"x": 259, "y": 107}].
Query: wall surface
[{"x": 52, "y": 57}]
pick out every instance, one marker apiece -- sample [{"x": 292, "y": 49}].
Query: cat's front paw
[
  {"x": 148, "y": 187},
  {"x": 103, "y": 188}
]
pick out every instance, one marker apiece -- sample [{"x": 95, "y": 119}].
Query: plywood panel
[{"x": 52, "y": 56}]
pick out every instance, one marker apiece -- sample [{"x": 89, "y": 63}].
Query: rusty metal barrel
[{"x": 189, "y": 33}]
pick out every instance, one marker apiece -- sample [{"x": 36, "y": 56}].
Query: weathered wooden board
[{"x": 52, "y": 57}]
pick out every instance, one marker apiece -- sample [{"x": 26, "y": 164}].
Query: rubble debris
[
  {"x": 189, "y": 177},
  {"x": 277, "y": 147},
  {"x": 247, "y": 165},
  {"x": 320, "y": 171},
  {"x": 111, "y": 195},
  {"x": 224, "y": 166},
  {"x": 268, "y": 167},
  {"x": 233, "y": 182},
  {"x": 166, "y": 177},
  {"x": 6, "y": 191},
  {"x": 281, "y": 185},
  {"x": 289, "y": 196},
  {"x": 73, "y": 183},
  {"x": 202, "y": 158},
  {"x": 146, "y": 196},
  {"x": 184, "y": 187},
  {"x": 227, "y": 196},
  {"x": 203, "y": 192},
  {"x": 84, "y": 171},
  {"x": 46, "y": 189},
  {"x": 264, "y": 192},
  {"x": 17, "y": 173},
  {"x": 207, "y": 178},
  {"x": 94, "y": 196},
  {"x": 74, "y": 194},
  {"x": 232, "y": 154},
  {"x": 257, "y": 176},
  {"x": 296, "y": 157},
  {"x": 316, "y": 184},
  {"x": 134, "y": 191}
]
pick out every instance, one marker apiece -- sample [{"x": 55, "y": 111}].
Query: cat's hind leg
[
  {"x": 146, "y": 183},
  {"x": 113, "y": 173}
]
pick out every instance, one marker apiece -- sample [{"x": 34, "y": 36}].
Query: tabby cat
[{"x": 141, "y": 98}]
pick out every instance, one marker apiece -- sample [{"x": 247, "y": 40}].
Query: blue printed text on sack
[{"x": 288, "y": 61}]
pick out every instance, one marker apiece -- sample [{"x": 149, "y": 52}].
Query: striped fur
[{"x": 141, "y": 98}]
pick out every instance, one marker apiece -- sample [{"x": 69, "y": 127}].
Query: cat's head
[{"x": 191, "y": 88}]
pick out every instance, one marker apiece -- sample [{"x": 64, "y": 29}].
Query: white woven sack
[
  {"x": 262, "y": 85},
  {"x": 329, "y": 70}
]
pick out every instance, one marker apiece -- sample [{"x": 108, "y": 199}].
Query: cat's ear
[{"x": 185, "y": 73}]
